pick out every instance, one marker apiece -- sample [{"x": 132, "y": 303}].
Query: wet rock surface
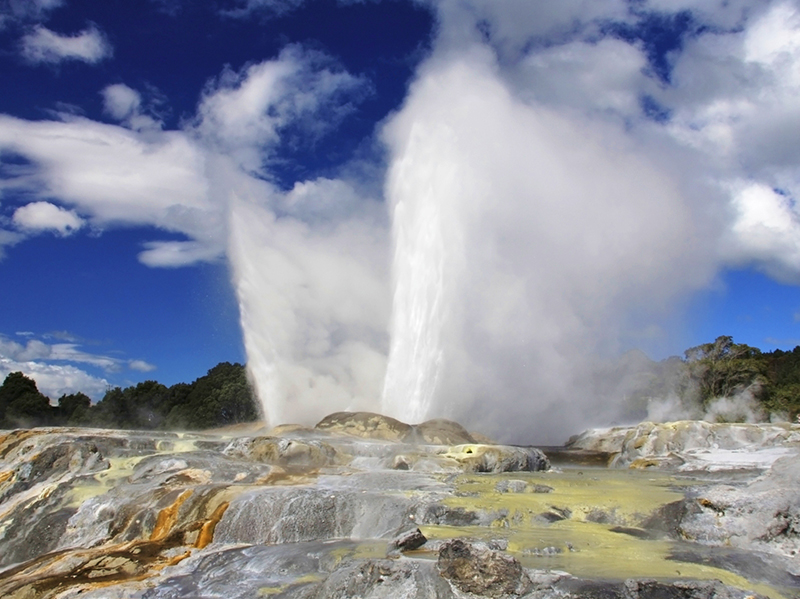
[
  {"x": 692, "y": 445},
  {"x": 366, "y": 506}
]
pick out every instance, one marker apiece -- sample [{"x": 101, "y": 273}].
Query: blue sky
[
  {"x": 368, "y": 199},
  {"x": 88, "y": 288}
]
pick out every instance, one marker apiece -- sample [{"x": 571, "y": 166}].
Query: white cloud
[
  {"x": 171, "y": 254},
  {"x": 514, "y": 25},
  {"x": 46, "y": 46},
  {"x": 56, "y": 366},
  {"x": 121, "y": 101},
  {"x": 117, "y": 176},
  {"x": 37, "y": 350},
  {"x": 38, "y": 216},
  {"x": 175, "y": 180},
  {"x": 125, "y": 105},
  {"x": 606, "y": 76},
  {"x": 32, "y": 350},
  {"x": 70, "y": 352},
  {"x": 141, "y": 366},
  {"x": 734, "y": 99},
  {"x": 243, "y": 114},
  {"x": 766, "y": 231},
  {"x": 23, "y": 10},
  {"x": 727, "y": 14},
  {"x": 55, "y": 380}
]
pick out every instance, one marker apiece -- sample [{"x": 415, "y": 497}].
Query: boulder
[
  {"x": 365, "y": 425},
  {"x": 282, "y": 451},
  {"x": 443, "y": 432},
  {"x": 498, "y": 458},
  {"x": 474, "y": 568},
  {"x": 682, "y": 589},
  {"x": 408, "y": 541}
]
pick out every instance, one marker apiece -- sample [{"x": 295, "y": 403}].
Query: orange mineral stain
[
  {"x": 168, "y": 517},
  {"x": 207, "y": 530}
]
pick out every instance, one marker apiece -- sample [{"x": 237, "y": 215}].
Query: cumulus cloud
[
  {"x": 36, "y": 349},
  {"x": 57, "y": 368},
  {"x": 244, "y": 114},
  {"x": 121, "y": 101},
  {"x": 45, "y": 46},
  {"x": 141, "y": 366},
  {"x": 55, "y": 380},
  {"x": 605, "y": 77},
  {"x": 733, "y": 98},
  {"x": 42, "y": 216},
  {"x": 124, "y": 104},
  {"x": 115, "y": 176},
  {"x": 766, "y": 230}
]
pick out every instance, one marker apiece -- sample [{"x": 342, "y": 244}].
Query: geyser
[
  {"x": 545, "y": 217},
  {"x": 312, "y": 301},
  {"x": 522, "y": 246}
]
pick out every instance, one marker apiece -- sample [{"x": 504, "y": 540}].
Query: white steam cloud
[
  {"x": 524, "y": 237},
  {"x": 549, "y": 195}
]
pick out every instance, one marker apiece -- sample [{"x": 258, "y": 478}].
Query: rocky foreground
[{"x": 366, "y": 506}]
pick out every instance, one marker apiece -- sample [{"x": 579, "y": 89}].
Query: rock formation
[{"x": 367, "y": 506}]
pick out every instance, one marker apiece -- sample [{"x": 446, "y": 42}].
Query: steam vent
[{"x": 366, "y": 506}]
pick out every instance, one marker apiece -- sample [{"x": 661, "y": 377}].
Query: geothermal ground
[{"x": 366, "y": 506}]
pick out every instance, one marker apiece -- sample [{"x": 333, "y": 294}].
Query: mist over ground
[{"x": 556, "y": 184}]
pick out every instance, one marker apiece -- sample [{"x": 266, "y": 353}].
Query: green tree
[
  {"x": 724, "y": 368},
  {"x": 132, "y": 408},
  {"x": 221, "y": 397},
  {"x": 73, "y": 409},
  {"x": 21, "y": 403}
]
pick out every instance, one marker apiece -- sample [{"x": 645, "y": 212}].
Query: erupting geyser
[
  {"x": 420, "y": 304},
  {"x": 521, "y": 248}
]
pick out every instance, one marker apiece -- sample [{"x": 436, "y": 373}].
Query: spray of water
[
  {"x": 420, "y": 303},
  {"x": 522, "y": 248},
  {"x": 312, "y": 297}
]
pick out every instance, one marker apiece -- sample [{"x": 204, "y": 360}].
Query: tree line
[
  {"x": 223, "y": 396},
  {"x": 770, "y": 382}
]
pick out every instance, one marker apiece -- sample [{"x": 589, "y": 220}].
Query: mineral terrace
[{"x": 366, "y": 506}]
